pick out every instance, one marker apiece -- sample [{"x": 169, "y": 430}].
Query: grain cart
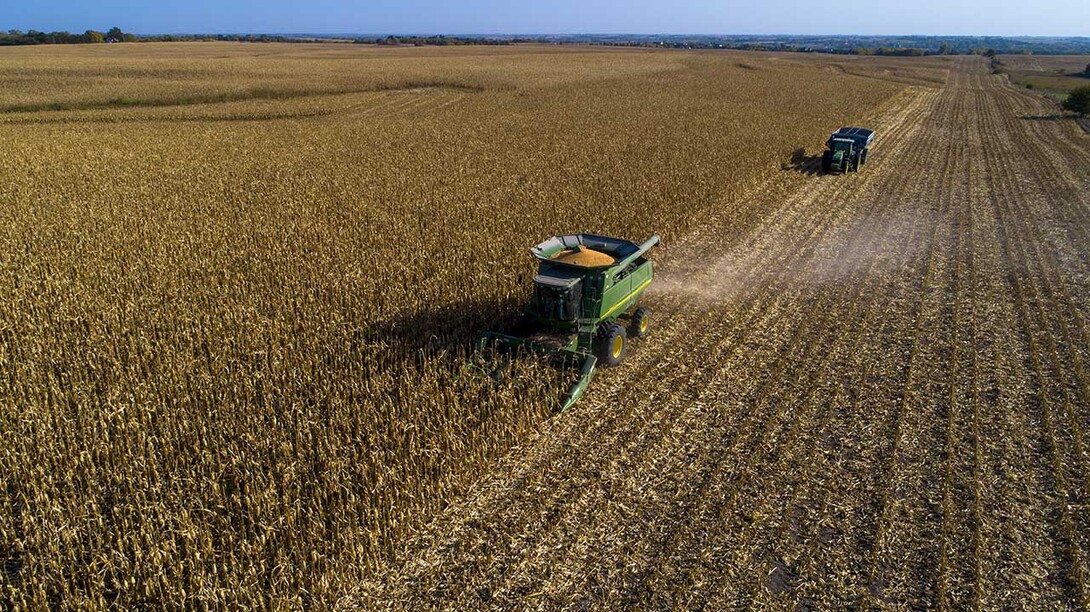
[
  {"x": 584, "y": 307},
  {"x": 847, "y": 149}
]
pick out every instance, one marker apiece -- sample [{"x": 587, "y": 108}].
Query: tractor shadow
[
  {"x": 450, "y": 329},
  {"x": 802, "y": 163}
]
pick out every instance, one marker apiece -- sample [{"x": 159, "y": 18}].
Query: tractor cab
[{"x": 842, "y": 144}]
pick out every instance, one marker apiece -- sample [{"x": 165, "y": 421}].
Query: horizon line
[
  {"x": 580, "y": 34},
  {"x": 612, "y": 34}
]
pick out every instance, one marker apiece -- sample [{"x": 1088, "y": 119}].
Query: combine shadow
[
  {"x": 451, "y": 329},
  {"x": 803, "y": 163}
]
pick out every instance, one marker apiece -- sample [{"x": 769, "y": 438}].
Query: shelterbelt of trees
[
  {"x": 115, "y": 35},
  {"x": 35, "y": 37}
]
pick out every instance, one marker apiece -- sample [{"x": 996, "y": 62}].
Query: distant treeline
[
  {"x": 943, "y": 49},
  {"x": 440, "y": 41},
  {"x": 886, "y": 51},
  {"x": 890, "y": 51},
  {"x": 851, "y": 45},
  {"x": 34, "y": 37},
  {"x": 254, "y": 38},
  {"x": 115, "y": 35}
]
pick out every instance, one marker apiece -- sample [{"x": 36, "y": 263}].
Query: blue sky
[{"x": 976, "y": 17}]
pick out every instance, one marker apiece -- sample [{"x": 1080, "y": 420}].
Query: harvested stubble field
[
  {"x": 1054, "y": 75},
  {"x": 238, "y": 283}
]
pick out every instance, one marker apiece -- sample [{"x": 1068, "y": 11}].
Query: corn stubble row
[{"x": 230, "y": 350}]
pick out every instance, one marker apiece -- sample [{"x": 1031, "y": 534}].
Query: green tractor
[
  {"x": 847, "y": 150},
  {"x": 585, "y": 306}
]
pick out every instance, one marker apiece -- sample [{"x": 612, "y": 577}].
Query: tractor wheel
[
  {"x": 863, "y": 157},
  {"x": 611, "y": 344},
  {"x": 640, "y": 323}
]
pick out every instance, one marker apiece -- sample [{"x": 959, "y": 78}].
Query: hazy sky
[{"x": 998, "y": 17}]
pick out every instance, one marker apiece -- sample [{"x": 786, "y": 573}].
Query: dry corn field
[{"x": 238, "y": 282}]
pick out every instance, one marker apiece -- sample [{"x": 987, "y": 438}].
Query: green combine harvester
[
  {"x": 585, "y": 304},
  {"x": 847, "y": 150}
]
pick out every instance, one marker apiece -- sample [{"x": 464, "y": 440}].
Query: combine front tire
[
  {"x": 640, "y": 323},
  {"x": 611, "y": 344}
]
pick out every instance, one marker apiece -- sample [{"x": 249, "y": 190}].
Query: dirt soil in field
[{"x": 875, "y": 395}]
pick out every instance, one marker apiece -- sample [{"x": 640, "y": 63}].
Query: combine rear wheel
[
  {"x": 640, "y": 323},
  {"x": 611, "y": 344}
]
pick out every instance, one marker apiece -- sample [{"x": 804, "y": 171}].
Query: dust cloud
[{"x": 798, "y": 258}]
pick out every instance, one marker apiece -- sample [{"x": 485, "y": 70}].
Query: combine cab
[
  {"x": 847, "y": 150},
  {"x": 585, "y": 304}
]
